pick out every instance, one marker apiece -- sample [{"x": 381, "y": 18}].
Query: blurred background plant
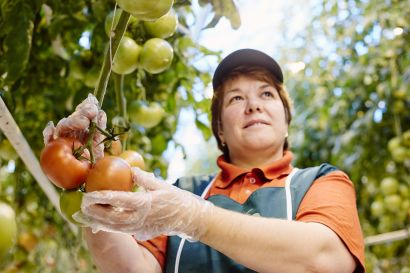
[{"x": 347, "y": 69}]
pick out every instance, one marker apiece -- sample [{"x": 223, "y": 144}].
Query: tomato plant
[
  {"x": 156, "y": 55},
  {"x": 60, "y": 164},
  {"x": 8, "y": 228},
  {"x": 163, "y": 27},
  {"x": 126, "y": 59},
  {"x": 70, "y": 203},
  {"x": 133, "y": 158},
  {"x": 109, "y": 173},
  {"x": 146, "y": 115}
]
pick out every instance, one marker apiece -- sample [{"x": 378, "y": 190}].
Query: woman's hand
[
  {"x": 77, "y": 125},
  {"x": 160, "y": 209}
]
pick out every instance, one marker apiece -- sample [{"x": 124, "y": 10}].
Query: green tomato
[
  {"x": 394, "y": 143},
  {"x": 393, "y": 203},
  {"x": 7, "y": 151},
  {"x": 145, "y": 115},
  {"x": 142, "y": 7},
  {"x": 8, "y": 228},
  {"x": 162, "y": 8},
  {"x": 70, "y": 203},
  {"x": 400, "y": 154},
  {"x": 137, "y": 7},
  {"x": 406, "y": 138},
  {"x": 125, "y": 60},
  {"x": 377, "y": 208},
  {"x": 164, "y": 27},
  {"x": 389, "y": 185},
  {"x": 156, "y": 55}
]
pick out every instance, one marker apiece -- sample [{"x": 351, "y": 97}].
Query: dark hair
[{"x": 253, "y": 72}]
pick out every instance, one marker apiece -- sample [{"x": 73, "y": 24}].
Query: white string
[
  {"x": 111, "y": 34},
  {"x": 181, "y": 244},
  {"x": 288, "y": 195}
]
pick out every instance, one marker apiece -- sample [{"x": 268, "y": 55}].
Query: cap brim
[{"x": 246, "y": 57}]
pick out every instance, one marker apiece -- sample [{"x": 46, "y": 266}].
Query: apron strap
[
  {"x": 181, "y": 244},
  {"x": 288, "y": 194}
]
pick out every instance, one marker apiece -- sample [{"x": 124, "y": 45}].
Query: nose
[{"x": 252, "y": 106}]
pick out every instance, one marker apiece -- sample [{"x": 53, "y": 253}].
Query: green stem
[
  {"x": 105, "y": 72},
  {"x": 397, "y": 125},
  {"x": 119, "y": 94},
  {"x": 121, "y": 103},
  {"x": 102, "y": 131},
  {"x": 90, "y": 143}
]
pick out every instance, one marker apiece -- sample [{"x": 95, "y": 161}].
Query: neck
[{"x": 257, "y": 159}]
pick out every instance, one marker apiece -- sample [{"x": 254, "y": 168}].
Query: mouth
[{"x": 254, "y": 123}]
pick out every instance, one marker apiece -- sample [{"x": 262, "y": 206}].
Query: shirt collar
[{"x": 229, "y": 172}]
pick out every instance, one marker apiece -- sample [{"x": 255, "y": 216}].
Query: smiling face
[{"x": 253, "y": 120}]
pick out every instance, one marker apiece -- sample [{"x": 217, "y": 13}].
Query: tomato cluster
[
  {"x": 155, "y": 55},
  {"x": 69, "y": 171}
]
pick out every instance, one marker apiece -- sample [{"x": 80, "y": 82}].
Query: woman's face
[{"x": 253, "y": 119}]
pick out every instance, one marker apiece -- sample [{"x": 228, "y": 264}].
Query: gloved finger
[
  {"x": 48, "y": 132},
  {"x": 74, "y": 125},
  {"x": 89, "y": 107},
  {"x": 119, "y": 199},
  {"x": 84, "y": 221},
  {"x": 101, "y": 119},
  {"x": 106, "y": 215},
  {"x": 147, "y": 180},
  {"x": 116, "y": 206},
  {"x": 79, "y": 120}
]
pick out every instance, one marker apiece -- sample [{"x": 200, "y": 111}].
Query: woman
[{"x": 257, "y": 214}]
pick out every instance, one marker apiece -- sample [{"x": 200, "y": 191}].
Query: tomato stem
[
  {"x": 119, "y": 93},
  {"x": 122, "y": 104},
  {"x": 89, "y": 143},
  {"x": 105, "y": 72}
]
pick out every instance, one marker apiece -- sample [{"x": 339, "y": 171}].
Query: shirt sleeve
[
  {"x": 158, "y": 247},
  {"x": 331, "y": 201}
]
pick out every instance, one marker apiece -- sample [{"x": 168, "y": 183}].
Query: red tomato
[
  {"x": 109, "y": 173},
  {"x": 61, "y": 166}
]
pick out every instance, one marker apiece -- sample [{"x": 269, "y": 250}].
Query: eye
[
  {"x": 235, "y": 98},
  {"x": 268, "y": 94}
]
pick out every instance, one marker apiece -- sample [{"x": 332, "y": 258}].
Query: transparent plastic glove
[
  {"x": 76, "y": 125},
  {"x": 161, "y": 209}
]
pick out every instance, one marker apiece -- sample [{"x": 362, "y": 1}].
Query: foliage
[
  {"x": 51, "y": 52},
  {"x": 351, "y": 104}
]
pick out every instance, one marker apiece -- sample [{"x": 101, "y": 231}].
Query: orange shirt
[{"x": 331, "y": 200}]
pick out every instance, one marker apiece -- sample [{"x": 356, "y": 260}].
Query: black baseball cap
[{"x": 247, "y": 57}]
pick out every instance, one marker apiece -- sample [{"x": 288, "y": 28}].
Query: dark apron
[{"x": 197, "y": 257}]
